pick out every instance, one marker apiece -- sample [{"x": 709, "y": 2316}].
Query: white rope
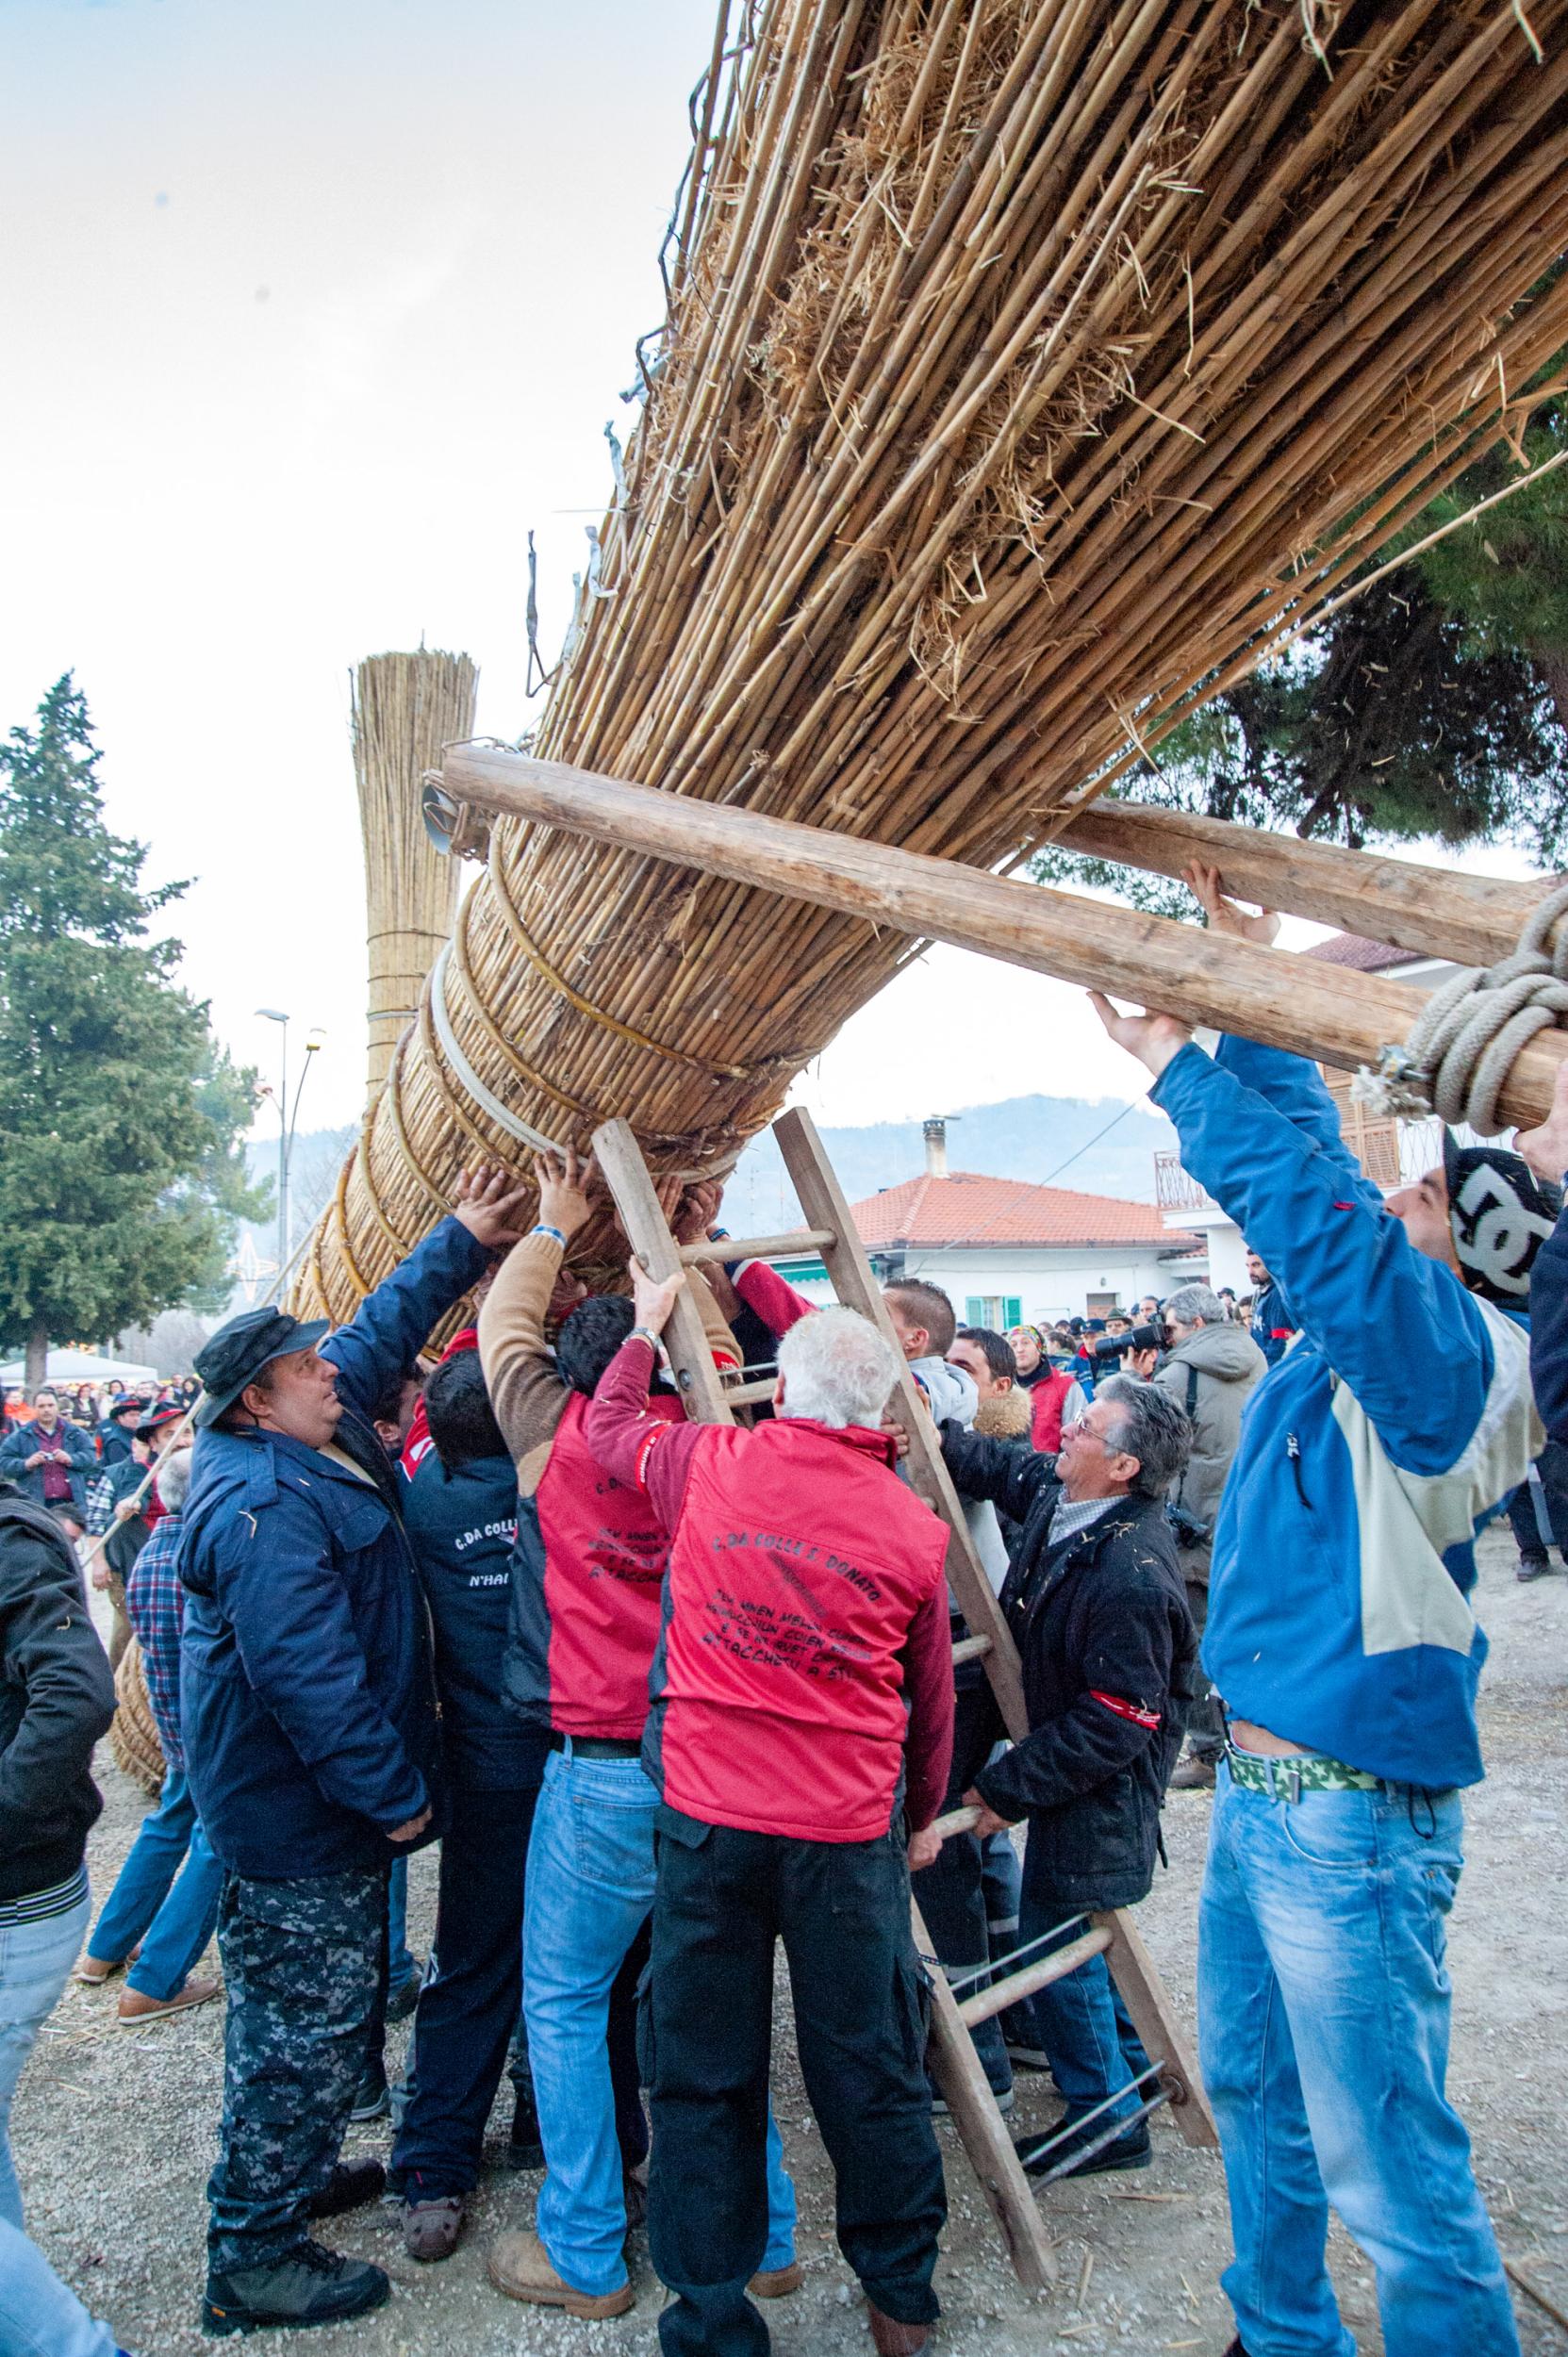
[
  {"x": 464, "y": 1072},
  {"x": 1463, "y": 1042},
  {"x": 474, "y": 1086}
]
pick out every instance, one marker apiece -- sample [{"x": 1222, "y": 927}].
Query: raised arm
[
  {"x": 527, "y": 1394},
  {"x": 1009, "y": 1472},
  {"x": 653, "y": 1454},
  {"x": 389, "y": 1327}
]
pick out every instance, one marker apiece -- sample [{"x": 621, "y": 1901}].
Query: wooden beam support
[
  {"x": 1433, "y": 912},
  {"x": 1343, "y": 1018}
]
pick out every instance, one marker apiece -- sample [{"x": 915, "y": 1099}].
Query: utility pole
[{"x": 286, "y": 1118}]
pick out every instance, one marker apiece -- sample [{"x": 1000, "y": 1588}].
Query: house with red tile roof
[{"x": 1005, "y": 1251}]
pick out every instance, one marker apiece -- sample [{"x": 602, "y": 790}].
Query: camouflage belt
[{"x": 1286, "y": 1779}]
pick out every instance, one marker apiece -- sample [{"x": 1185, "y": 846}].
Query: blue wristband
[{"x": 543, "y": 1228}]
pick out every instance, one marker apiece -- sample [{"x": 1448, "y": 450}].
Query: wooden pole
[
  {"x": 1432, "y": 911},
  {"x": 1343, "y": 1018}
]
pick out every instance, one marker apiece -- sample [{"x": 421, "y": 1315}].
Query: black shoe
[
  {"x": 351, "y": 2186},
  {"x": 523, "y": 2148},
  {"x": 372, "y": 2100},
  {"x": 402, "y": 2000},
  {"x": 1532, "y": 1567},
  {"x": 309, "y": 2285},
  {"x": 1132, "y": 2150}
]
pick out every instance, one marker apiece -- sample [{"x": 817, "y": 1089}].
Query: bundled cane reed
[
  {"x": 406, "y": 708},
  {"x": 133, "y": 1732},
  {"x": 1026, "y": 362}
]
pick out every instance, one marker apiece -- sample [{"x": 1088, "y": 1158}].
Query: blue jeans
[
  {"x": 1322, "y": 2007},
  {"x": 400, "y": 1964},
  {"x": 35, "y": 1963},
  {"x": 172, "y": 1920},
  {"x": 39, "y": 2317},
  {"x": 590, "y": 1891},
  {"x": 1080, "y": 2021}
]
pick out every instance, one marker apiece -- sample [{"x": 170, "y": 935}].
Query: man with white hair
[{"x": 802, "y": 1714}]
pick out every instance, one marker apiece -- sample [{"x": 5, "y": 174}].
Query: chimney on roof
[{"x": 935, "y": 1131}]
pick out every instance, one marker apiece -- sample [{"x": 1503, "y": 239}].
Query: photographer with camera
[
  {"x": 1136, "y": 1350},
  {"x": 1212, "y": 1368}
]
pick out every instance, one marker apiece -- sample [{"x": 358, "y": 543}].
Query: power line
[{"x": 1087, "y": 1142}]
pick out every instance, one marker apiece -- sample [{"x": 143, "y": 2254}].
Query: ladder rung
[
  {"x": 746, "y": 1394},
  {"x": 756, "y": 1247},
  {"x": 1055, "y": 1966},
  {"x": 971, "y": 1648}
]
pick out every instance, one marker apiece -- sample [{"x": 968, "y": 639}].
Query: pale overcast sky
[{"x": 310, "y": 314}]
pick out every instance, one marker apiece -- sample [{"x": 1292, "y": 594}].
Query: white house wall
[{"x": 1048, "y": 1284}]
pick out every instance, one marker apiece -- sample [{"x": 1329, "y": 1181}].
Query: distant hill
[{"x": 1050, "y": 1140}]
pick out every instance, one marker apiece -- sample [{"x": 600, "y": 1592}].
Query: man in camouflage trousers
[{"x": 307, "y": 1708}]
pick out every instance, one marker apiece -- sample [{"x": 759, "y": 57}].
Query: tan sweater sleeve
[
  {"x": 527, "y": 1394},
  {"x": 720, "y": 1340}
]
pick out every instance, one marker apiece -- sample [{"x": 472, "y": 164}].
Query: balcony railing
[
  {"x": 1391, "y": 1153},
  {"x": 1174, "y": 1191}
]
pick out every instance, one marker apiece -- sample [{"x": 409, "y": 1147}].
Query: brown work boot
[
  {"x": 1195, "y": 1774},
  {"x": 518, "y": 2265},
  {"x": 894, "y": 2339},
  {"x": 776, "y": 2282},
  {"x": 429, "y": 2229},
  {"x": 135, "y": 2008}
]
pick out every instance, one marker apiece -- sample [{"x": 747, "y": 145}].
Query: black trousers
[
  {"x": 1523, "y": 1505},
  {"x": 469, "y": 2004},
  {"x": 722, "y": 1900}
]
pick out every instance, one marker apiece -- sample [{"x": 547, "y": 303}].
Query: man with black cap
[
  {"x": 1342, "y": 1640},
  {"x": 114, "y": 1431},
  {"x": 308, "y": 1709}
]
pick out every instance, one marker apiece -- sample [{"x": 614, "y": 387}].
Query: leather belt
[{"x": 598, "y": 1746}]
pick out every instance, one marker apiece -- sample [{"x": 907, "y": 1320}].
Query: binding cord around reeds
[{"x": 1027, "y": 363}]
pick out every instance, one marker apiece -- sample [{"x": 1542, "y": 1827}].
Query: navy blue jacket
[
  {"x": 22, "y": 1443},
  {"x": 1272, "y": 1323},
  {"x": 462, "y": 1526},
  {"x": 1549, "y": 1329},
  {"x": 306, "y": 1697}
]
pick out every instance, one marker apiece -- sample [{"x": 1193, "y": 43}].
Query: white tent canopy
[{"x": 80, "y": 1366}]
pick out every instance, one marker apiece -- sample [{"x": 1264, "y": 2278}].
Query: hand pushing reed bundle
[
  {"x": 1027, "y": 360},
  {"x": 406, "y": 708}
]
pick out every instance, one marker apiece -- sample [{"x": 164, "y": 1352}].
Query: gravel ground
[{"x": 114, "y": 2128}]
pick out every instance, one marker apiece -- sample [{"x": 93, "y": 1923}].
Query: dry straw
[
  {"x": 1026, "y": 362},
  {"x": 406, "y": 708}
]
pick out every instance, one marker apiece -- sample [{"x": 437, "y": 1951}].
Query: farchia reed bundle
[{"x": 1026, "y": 362}]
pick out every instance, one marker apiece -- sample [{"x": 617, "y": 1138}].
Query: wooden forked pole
[
  {"x": 1345, "y": 1020},
  {"x": 1433, "y": 912}
]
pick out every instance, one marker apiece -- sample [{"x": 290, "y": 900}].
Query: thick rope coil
[{"x": 1463, "y": 1042}]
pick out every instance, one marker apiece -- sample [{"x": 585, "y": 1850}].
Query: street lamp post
[{"x": 286, "y": 1119}]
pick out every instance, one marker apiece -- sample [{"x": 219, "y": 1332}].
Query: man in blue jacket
[
  {"x": 311, "y": 1735},
  {"x": 1342, "y": 1641}
]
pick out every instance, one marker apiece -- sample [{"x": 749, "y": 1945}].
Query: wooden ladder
[{"x": 955, "y": 2065}]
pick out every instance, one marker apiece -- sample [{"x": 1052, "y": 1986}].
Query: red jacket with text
[{"x": 806, "y": 1660}]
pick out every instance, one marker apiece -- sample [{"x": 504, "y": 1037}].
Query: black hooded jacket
[
  {"x": 1109, "y": 1655},
  {"x": 56, "y": 1698}
]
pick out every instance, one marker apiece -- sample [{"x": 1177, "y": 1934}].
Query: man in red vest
[
  {"x": 588, "y": 1574},
  {"x": 802, "y": 1715}
]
